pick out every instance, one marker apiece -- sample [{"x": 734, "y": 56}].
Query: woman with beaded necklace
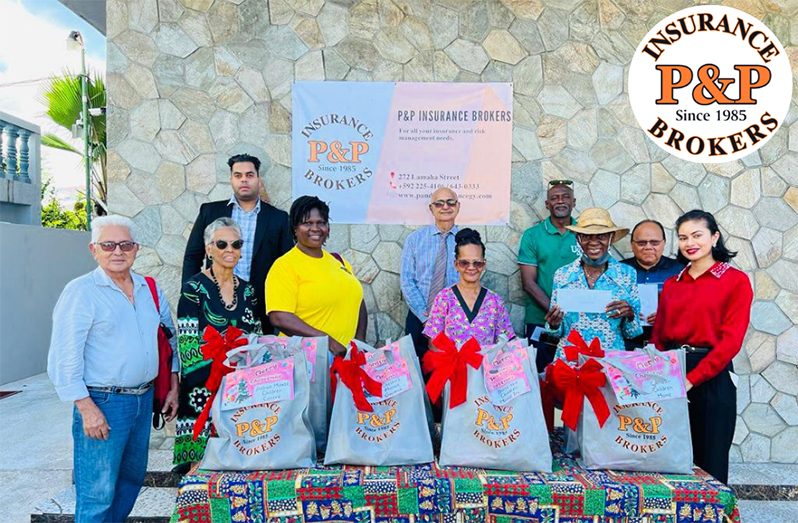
[{"x": 215, "y": 297}]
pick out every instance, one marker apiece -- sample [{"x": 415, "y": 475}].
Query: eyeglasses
[
  {"x": 465, "y": 264},
  {"x": 124, "y": 246},
  {"x": 319, "y": 223},
  {"x": 222, "y": 245},
  {"x": 643, "y": 243},
  {"x": 451, "y": 202},
  {"x": 552, "y": 183}
]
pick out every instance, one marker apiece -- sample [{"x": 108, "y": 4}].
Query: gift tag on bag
[
  {"x": 645, "y": 376},
  {"x": 389, "y": 368},
  {"x": 269, "y": 382},
  {"x": 505, "y": 378}
]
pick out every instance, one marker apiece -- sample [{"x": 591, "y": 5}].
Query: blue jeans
[{"x": 109, "y": 473}]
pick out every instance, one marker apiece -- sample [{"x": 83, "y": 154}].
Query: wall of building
[
  {"x": 193, "y": 81},
  {"x": 35, "y": 264}
]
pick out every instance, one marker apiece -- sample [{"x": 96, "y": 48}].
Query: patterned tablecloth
[{"x": 569, "y": 494}]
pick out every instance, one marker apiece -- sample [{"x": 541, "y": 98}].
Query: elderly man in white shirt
[{"x": 103, "y": 358}]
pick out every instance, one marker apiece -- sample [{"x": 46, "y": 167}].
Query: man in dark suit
[{"x": 265, "y": 230}]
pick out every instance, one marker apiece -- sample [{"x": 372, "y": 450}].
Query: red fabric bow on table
[
  {"x": 351, "y": 373},
  {"x": 576, "y": 384},
  {"x": 215, "y": 349},
  {"x": 579, "y": 346},
  {"x": 449, "y": 364}
]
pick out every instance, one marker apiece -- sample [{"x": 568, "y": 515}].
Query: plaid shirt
[
  {"x": 247, "y": 221},
  {"x": 418, "y": 263}
]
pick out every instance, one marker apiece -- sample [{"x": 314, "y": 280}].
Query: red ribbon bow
[
  {"x": 351, "y": 373},
  {"x": 579, "y": 346},
  {"x": 449, "y": 364},
  {"x": 215, "y": 349},
  {"x": 585, "y": 381}
]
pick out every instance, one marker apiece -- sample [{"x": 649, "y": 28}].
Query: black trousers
[
  {"x": 546, "y": 347},
  {"x": 413, "y": 327},
  {"x": 713, "y": 415}
]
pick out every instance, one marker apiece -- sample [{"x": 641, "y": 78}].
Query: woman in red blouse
[{"x": 706, "y": 308}]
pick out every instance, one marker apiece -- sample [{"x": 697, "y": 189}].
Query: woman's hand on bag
[
  {"x": 554, "y": 316},
  {"x": 620, "y": 309},
  {"x": 336, "y": 348},
  {"x": 169, "y": 410},
  {"x": 650, "y": 318}
]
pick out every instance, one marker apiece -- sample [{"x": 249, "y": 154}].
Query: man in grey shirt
[{"x": 103, "y": 358}]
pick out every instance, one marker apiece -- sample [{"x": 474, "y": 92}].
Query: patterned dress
[
  {"x": 200, "y": 305},
  {"x": 486, "y": 322},
  {"x": 621, "y": 280}
]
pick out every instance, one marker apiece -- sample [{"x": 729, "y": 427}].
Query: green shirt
[{"x": 544, "y": 247}]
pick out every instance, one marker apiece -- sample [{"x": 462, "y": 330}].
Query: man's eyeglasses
[
  {"x": 451, "y": 202},
  {"x": 643, "y": 243},
  {"x": 553, "y": 183},
  {"x": 477, "y": 264},
  {"x": 222, "y": 245},
  {"x": 124, "y": 246}
]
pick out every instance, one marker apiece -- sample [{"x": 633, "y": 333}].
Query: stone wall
[{"x": 194, "y": 81}]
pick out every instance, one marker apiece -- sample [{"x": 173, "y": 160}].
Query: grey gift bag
[
  {"x": 511, "y": 435},
  {"x": 397, "y": 431},
  {"x": 316, "y": 350},
  {"x": 645, "y": 436},
  {"x": 259, "y": 425}
]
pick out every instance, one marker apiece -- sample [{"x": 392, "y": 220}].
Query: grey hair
[
  {"x": 112, "y": 220},
  {"x": 220, "y": 223}
]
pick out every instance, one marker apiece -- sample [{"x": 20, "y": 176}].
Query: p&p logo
[{"x": 710, "y": 84}]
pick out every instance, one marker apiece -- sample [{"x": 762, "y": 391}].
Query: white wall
[{"x": 35, "y": 264}]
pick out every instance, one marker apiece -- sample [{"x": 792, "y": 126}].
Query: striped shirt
[
  {"x": 418, "y": 264},
  {"x": 247, "y": 221}
]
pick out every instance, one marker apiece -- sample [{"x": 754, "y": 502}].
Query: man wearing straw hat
[{"x": 596, "y": 270}]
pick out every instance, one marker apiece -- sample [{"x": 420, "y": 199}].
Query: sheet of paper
[
  {"x": 583, "y": 300},
  {"x": 649, "y": 296},
  {"x": 537, "y": 332}
]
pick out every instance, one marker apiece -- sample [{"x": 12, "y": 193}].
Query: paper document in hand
[
  {"x": 583, "y": 300},
  {"x": 649, "y": 295}
]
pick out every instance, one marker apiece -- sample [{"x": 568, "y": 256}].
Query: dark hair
[
  {"x": 467, "y": 237},
  {"x": 719, "y": 251},
  {"x": 238, "y": 158},
  {"x": 655, "y": 222},
  {"x": 302, "y": 206}
]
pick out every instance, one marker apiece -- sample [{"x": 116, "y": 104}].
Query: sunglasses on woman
[
  {"x": 222, "y": 245},
  {"x": 124, "y": 246},
  {"x": 477, "y": 264}
]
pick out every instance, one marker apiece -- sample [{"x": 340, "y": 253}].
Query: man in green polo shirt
[{"x": 544, "y": 248}]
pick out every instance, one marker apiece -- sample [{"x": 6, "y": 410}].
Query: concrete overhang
[{"x": 93, "y": 11}]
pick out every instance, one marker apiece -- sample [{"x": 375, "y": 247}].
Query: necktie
[{"x": 438, "y": 272}]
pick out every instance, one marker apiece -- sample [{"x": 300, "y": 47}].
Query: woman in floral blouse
[
  {"x": 215, "y": 297},
  {"x": 467, "y": 309}
]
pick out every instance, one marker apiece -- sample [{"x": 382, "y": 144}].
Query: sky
[{"x": 38, "y": 30}]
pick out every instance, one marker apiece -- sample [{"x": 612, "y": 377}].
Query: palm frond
[{"x": 56, "y": 142}]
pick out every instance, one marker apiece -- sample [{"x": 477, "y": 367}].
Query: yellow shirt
[{"x": 320, "y": 291}]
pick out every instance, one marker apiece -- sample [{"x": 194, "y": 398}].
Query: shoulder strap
[
  {"x": 154, "y": 291},
  {"x": 338, "y": 257}
]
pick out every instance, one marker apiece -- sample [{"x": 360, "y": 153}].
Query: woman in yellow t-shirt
[{"x": 310, "y": 292}]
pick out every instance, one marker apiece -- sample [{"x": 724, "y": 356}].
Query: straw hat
[{"x": 597, "y": 221}]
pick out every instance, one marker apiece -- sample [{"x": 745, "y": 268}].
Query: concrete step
[{"x": 154, "y": 505}]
